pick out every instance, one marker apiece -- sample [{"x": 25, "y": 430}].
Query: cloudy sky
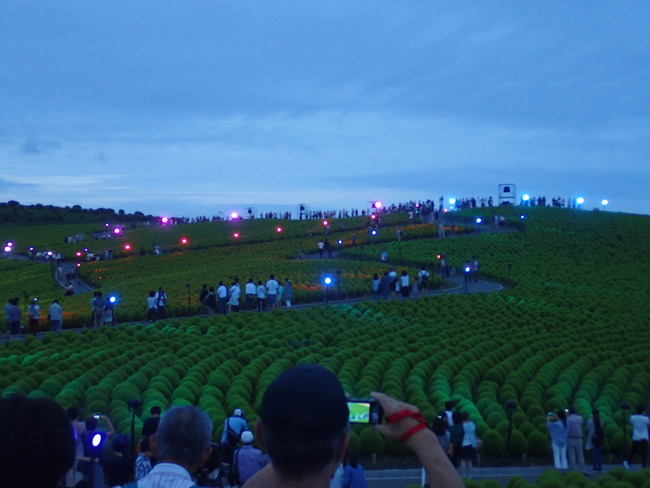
[{"x": 195, "y": 107}]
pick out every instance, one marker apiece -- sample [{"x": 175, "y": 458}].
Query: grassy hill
[{"x": 571, "y": 327}]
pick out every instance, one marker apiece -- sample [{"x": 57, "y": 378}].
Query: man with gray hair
[{"x": 183, "y": 436}]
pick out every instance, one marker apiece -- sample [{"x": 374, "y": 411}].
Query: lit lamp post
[
  {"x": 467, "y": 271},
  {"x": 511, "y": 406},
  {"x": 327, "y": 281},
  {"x": 112, "y": 300},
  {"x": 478, "y": 221},
  {"x": 604, "y": 203}
]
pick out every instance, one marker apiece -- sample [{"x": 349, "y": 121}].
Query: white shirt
[
  {"x": 55, "y": 311},
  {"x": 167, "y": 475},
  {"x": 235, "y": 292},
  {"x": 405, "y": 280},
  {"x": 261, "y": 291},
  {"x": 222, "y": 291},
  {"x": 272, "y": 287},
  {"x": 639, "y": 427},
  {"x": 250, "y": 288}
]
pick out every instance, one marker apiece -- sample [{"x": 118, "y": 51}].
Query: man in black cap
[{"x": 304, "y": 428}]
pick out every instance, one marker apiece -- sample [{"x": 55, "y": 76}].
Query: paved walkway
[{"x": 401, "y": 478}]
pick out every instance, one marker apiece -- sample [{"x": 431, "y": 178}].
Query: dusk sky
[{"x": 196, "y": 107}]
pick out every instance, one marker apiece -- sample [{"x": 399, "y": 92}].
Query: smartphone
[{"x": 365, "y": 411}]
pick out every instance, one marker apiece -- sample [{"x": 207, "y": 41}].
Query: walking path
[{"x": 402, "y": 478}]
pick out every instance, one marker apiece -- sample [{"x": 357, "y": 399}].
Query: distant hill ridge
[{"x": 13, "y": 213}]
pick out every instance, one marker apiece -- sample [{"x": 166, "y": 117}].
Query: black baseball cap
[{"x": 306, "y": 402}]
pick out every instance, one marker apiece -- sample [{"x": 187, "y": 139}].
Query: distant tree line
[{"x": 12, "y": 212}]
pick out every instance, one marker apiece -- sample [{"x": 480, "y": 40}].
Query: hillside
[{"x": 571, "y": 328}]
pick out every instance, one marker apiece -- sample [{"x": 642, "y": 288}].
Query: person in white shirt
[
  {"x": 235, "y": 293},
  {"x": 261, "y": 296},
  {"x": 183, "y": 439},
  {"x": 55, "y": 316},
  {"x": 272, "y": 291},
  {"x": 405, "y": 284},
  {"x": 250, "y": 291},
  {"x": 222, "y": 294},
  {"x": 640, "y": 424}
]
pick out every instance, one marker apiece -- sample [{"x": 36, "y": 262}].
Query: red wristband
[{"x": 413, "y": 430}]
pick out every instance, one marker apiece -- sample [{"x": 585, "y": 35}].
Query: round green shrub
[
  {"x": 371, "y": 442},
  {"x": 493, "y": 443},
  {"x": 538, "y": 444}
]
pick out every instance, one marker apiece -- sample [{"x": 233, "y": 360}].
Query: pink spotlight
[
  {"x": 78, "y": 254},
  {"x": 278, "y": 229},
  {"x": 234, "y": 215},
  {"x": 377, "y": 205},
  {"x": 236, "y": 235},
  {"x": 184, "y": 240},
  {"x": 325, "y": 222},
  {"x": 165, "y": 220},
  {"x": 127, "y": 247},
  {"x": 117, "y": 230}
]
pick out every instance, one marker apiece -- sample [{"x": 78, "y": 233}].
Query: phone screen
[{"x": 359, "y": 412}]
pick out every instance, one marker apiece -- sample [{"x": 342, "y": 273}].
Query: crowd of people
[
  {"x": 566, "y": 428},
  {"x": 301, "y": 439},
  {"x": 258, "y": 296},
  {"x": 302, "y": 436}
]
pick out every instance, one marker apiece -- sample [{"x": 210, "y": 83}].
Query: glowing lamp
[
  {"x": 439, "y": 256},
  {"x": 526, "y": 197},
  {"x": 10, "y": 244},
  {"x": 604, "y": 202},
  {"x": 452, "y": 201},
  {"x": 78, "y": 254},
  {"x": 467, "y": 269},
  {"x": 327, "y": 280},
  {"x": 234, "y": 215},
  {"x": 580, "y": 200},
  {"x": 96, "y": 440},
  {"x": 340, "y": 241},
  {"x": 278, "y": 229},
  {"x": 112, "y": 299},
  {"x": 377, "y": 205},
  {"x": 117, "y": 230},
  {"x": 373, "y": 216},
  {"x": 325, "y": 222},
  {"x": 522, "y": 217},
  {"x": 479, "y": 220},
  {"x": 373, "y": 232},
  {"x": 165, "y": 220},
  {"x": 184, "y": 240},
  {"x": 236, "y": 235},
  {"x": 49, "y": 253},
  {"x": 7, "y": 249},
  {"x": 78, "y": 265},
  {"x": 127, "y": 247}
]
